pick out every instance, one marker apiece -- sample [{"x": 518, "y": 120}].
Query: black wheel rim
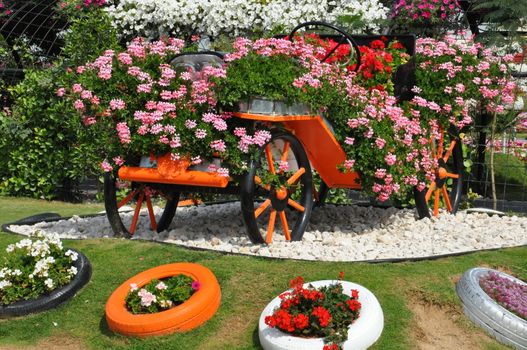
[{"x": 266, "y": 209}]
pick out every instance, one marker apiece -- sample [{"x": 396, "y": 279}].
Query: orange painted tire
[{"x": 199, "y": 308}]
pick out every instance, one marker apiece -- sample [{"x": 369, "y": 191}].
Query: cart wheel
[
  {"x": 261, "y": 204},
  {"x": 343, "y": 38},
  {"x": 137, "y": 195},
  {"x": 446, "y": 189}
]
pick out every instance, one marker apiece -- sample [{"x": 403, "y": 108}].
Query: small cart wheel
[
  {"x": 284, "y": 158},
  {"x": 445, "y": 191},
  {"x": 137, "y": 194}
]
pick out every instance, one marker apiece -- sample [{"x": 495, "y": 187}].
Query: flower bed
[
  {"x": 153, "y": 18},
  {"x": 159, "y": 295},
  {"x": 138, "y": 294},
  {"x": 38, "y": 273},
  {"x": 322, "y": 314},
  {"x": 506, "y": 292}
]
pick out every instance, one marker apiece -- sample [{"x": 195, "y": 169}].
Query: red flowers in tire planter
[
  {"x": 321, "y": 315},
  {"x": 191, "y": 313}
]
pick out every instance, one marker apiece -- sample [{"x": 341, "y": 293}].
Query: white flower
[
  {"x": 49, "y": 283},
  {"x": 161, "y": 286},
  {"x": 165, "y": 304},
  {"x": 73, "y": 255},
  {"x": 133, "y": 287},
  {"x": 10, "y": 248},
  {"x": 16, "y": 272},
  {"x": 4, "y": 283},
  {"x": 72, "y": 271},
  {"x": 5, "y": 272}
]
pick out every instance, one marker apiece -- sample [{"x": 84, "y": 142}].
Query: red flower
[
  {"x": 297, "y": 282},
  {"x": 397, "y": 45},
  {"x": 323, "y": 315},
  {"x": 331, "y": 346},
  {"x": 301, "y": 321},
  {"x": 354, "y": 294},
  {"x": 377, "y": 44},
  {"x": 354, "y": 305},
  {"x": 341, "y": 275}
]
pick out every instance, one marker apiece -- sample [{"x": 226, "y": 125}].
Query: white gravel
[{"x": 335, "y": 233}]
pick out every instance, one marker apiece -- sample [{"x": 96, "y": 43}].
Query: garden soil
[
  {"x": 435, "y": 328},
  {"x": 51, "y": 343}
]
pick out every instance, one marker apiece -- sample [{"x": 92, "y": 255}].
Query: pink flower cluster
[{"x": 425, "y": 11}]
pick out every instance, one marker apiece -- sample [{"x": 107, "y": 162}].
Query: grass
[
  {"x": 511, "y": 177},
  {"x": 248, "y": 284}
]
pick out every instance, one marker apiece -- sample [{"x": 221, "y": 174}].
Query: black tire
[
  {"x": 454, "y": 166},
  {"x": 112, "y": 210},
  {"x": 321, "y": 194},
  {"x": 301, "y": 190},
  {"x": 56, "y": 297},
  {"x": 497, "y": 321}
]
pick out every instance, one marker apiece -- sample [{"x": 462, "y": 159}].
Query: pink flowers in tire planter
[{"x": 483, "y": 292}]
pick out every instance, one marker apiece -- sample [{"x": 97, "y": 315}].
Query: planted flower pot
[
  {"x": 195, "y": 311},
  {"x": 504, "y": 325},
  {"x": 362, "y": 333},
  {"x": 263, "y": 105},
  {"x": 79, "y": 272}
]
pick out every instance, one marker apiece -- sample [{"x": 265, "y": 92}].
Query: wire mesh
[{"x": 30, "y": 36}]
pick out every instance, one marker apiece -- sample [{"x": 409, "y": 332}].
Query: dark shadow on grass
[
  {"x": 256, "y": 339},
  {"x": 103, "y": 327}
]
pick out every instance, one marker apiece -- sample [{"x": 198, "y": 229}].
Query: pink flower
[
  {"x": 117, "y": 104},
  {"x": 161, "y": 286},
  {"x": 380, "y": 142},
  {"x": 283, "y": 166},
  {"x": 390, "y": 159},
  {"x": 77, "y": 88},
  {"x": 133, "y": 287},
  {"x": 147, "y": 298},
  {"x": 200, "y": 134},
  {"x": 61, "y": 92},
  {"x": 106, "y": 166},
  {"x": 118, "y": 161},
  {"x": 218, "y": 145},
  {"x": 349, "y": 141},
  {"x": 78, "y": 104},
  {"x": 380, "y": 173},
  {"x": 196, "y": 285},
  {"x": 223, "y": 172},
  {"x": 123, "y": 132}
]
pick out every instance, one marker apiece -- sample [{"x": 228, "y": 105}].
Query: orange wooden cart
[{"x": 306, "y": 143}]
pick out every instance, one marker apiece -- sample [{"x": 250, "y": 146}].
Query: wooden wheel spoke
[
  {"x": 137, "y": 210},
  {"x": 449, "y": 151},
  {"x": 452, "y": 176},
  {"x": 127, "y": 199},
  {"x": 270, "y": 227},
  {"x": 258, "y": 181},
  {"x": 153, "y": 223},
  {"x": 436, "y": 202},
  {"x": 270, "y": 159},
  {"x": 285, "y": 152},
  {"x": 447, "y": 199},
  {"x": 295, "y": 205},
  {"x": 262, "y": 208},
  {"x": 440, "y": 146},
  {"x": 429, "y": 192},
  {"x": 296, "y": 176},
  {"x": 285, "y": 226}
]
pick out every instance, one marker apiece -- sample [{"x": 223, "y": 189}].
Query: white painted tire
[
  {"x": 497, "y": 321},
  {"x": 361, "y": 334}
]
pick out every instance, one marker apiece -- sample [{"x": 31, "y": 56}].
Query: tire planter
[
  {"x": 199, "y": 308},
  {"x": 361, "y": 334},
  {"x": 56, "y": 297},
  {"x": 497, "y": 321}
]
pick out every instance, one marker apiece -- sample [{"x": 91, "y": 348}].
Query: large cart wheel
[
  {"x": 137, "y": 195},
  {"x": 341, "y": 36},
  {"x": 445, "y": 191},
  {"x": 292, "y": 203}
]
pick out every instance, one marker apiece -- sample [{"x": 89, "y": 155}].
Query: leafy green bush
[{"x": 47, "y": 151}]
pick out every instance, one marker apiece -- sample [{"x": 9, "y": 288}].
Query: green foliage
[
  {"x": 34, "y": 267},
  {"x": 41, "y": 138},
  {"x": 504, "y": 20},
  {"x": 168, "y": 292},
  {"x": 46, "y": 149}
]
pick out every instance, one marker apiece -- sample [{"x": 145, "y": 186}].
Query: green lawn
[{"x": 248, "y": 284}]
